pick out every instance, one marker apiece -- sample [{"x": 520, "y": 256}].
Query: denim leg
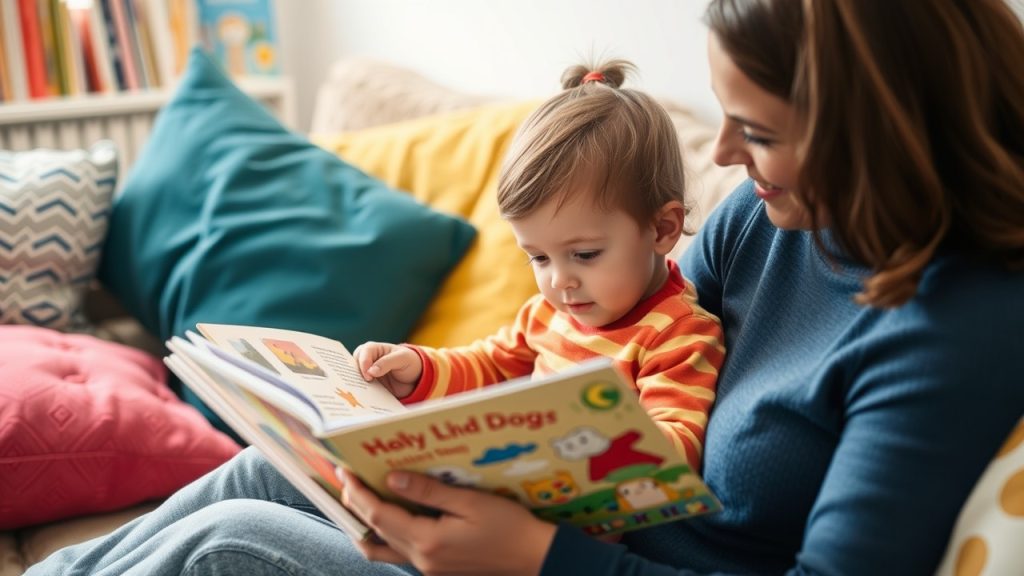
[{"x": 242, "y": 518}]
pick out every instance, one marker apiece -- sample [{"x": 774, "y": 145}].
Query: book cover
[
  {"x": 241, "y": 35},
  {"x": 114, "y": 48},
  {"x": 575, "y": 447}
]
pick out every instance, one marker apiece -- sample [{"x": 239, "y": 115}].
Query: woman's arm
[{"x": 479, "y": 533}]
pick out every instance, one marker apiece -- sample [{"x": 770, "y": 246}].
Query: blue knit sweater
[{"x": 844, "y": 439}]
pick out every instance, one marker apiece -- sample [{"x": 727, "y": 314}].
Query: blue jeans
[{"x": 242, "y": 518}]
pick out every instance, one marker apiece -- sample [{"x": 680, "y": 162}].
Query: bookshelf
[
  {"x": 86, "y": 94},
  {"x": 275, "y": 93}
]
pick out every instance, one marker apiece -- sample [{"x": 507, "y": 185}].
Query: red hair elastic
[{"x": 594, "y": 76}]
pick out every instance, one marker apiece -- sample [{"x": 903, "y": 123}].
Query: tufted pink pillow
[{"x": 89, "y": 426}]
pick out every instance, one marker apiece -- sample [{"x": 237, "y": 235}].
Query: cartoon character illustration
[
  {"x": 295, "y": 358},
  {"x": 605, "y": 456},
  {"x": 233, "y": 31},
  {"x": 643, "y": 493},
  {"x": 559, "y": 489},
  {"x": 455, "y": 476},
  {"x": 348, "y": 397}
]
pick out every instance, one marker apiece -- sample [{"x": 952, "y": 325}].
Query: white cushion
[{"x": 988, "y": 539}]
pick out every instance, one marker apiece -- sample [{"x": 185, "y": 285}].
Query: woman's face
[{"x": 759, "y": 131}]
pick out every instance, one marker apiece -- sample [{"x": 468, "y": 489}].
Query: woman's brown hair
[
  {"x": 618, "y": 140},
  {"x": 913, "y": 116}
]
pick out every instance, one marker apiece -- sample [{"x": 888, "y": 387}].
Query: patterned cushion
[
  {"x": 90, "y": 426},
  {"x": 54, "y": 209},
  {"x": 989, "y": 533}
]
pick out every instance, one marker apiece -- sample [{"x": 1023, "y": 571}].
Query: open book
[{"x": 574, "y": 447}]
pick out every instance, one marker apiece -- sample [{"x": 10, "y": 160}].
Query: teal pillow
[{"x": 229, "y": 217}]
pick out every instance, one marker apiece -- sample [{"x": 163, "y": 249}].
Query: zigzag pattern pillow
[{"x": 54, "y": 211}]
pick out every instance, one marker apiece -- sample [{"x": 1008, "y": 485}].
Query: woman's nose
[{"x": 728, "y": 150}]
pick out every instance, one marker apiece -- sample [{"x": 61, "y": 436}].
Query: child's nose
[{"x": 562, "y": 280}]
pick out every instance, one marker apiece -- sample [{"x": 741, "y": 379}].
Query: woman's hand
[
  {"x": 398, "y": 368},
  {"x": 476, "y": 533}
]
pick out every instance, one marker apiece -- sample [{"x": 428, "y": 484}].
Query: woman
[{"x": 869, "y": 280}]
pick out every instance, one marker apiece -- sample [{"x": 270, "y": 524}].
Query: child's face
[
  {"x": 591, "y": 264},
  {"x": 758, "y": 132}
]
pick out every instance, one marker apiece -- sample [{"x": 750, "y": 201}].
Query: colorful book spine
[
  {"x": 140, "y": 23},
  {"x": 14, "y": 49},
  {"x": 113, "y": 45},
  {"x": 70, "y": 48},
  {"x": 6, "y": 94},
  {"x": 82, "y": 29},
  {"x": 55, "y": 85},
  {"x": 160, "y": 28},
  {"x": 124, "y": 45},
  {"x": 100, "y": 42},
  {"x": 135, "y": 44},
  {"x": 35, "y": 61},
  {"x": 184, "y": 30}
]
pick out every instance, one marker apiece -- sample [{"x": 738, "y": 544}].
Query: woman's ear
[{"x": 669, "y": 223}]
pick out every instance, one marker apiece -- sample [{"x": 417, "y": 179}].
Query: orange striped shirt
[{"x": 668, "y": 345}]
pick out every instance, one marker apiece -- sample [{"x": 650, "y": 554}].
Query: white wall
[{"x": 501, "y": 47}]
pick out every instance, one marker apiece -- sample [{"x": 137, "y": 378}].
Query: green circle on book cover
[{"x": 600, "y": 396}]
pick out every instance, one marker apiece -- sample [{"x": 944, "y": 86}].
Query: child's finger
[
  {"x": 365, "y": 355},
  {"x": 385, "y": 364}
]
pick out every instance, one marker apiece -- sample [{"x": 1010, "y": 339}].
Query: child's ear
[{"x": 669, "y": 224}]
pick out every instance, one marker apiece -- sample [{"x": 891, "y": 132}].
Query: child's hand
[{"x": 396, "y": 367}]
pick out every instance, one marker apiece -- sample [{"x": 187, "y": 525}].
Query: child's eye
[
  {"x": 756, "y": 140},
  {"x": 539, "y": 259},
  {"x": 584, "y": 256}
]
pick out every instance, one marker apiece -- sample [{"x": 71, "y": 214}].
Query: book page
[
  {"x": 282, "y": 439},
  {"x": 319, "y": 370}
]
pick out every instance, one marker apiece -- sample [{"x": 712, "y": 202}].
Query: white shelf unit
[{"x": 125, "y": 117}]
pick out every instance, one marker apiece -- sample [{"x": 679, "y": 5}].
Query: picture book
[
  {"x": 574, "y": 447},
  {"x": 241, "y": 35}
]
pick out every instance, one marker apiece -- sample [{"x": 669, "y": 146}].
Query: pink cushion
[{"x": 89, "y": 426}]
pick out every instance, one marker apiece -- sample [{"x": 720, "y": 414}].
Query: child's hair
[{"x": 619, "y": 140}]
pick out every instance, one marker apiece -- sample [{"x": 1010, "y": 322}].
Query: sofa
[{"x": 440, "y": 147}]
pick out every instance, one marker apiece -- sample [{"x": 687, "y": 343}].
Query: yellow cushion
[{"x": 451, "y": 162}]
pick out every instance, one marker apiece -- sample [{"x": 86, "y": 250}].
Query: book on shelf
[
  {"x": 241, "y": 35},
  {"x": 53, "y": 48},
  {"x": 32, "y": 39},
  {"x": 14, "y": 50},
  {"x": 574, "y": 447}
]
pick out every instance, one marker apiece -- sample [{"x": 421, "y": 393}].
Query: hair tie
[{"x": 594, "y": 76}]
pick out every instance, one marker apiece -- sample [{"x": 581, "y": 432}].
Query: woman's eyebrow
[{"x": 750, "y": 123}]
